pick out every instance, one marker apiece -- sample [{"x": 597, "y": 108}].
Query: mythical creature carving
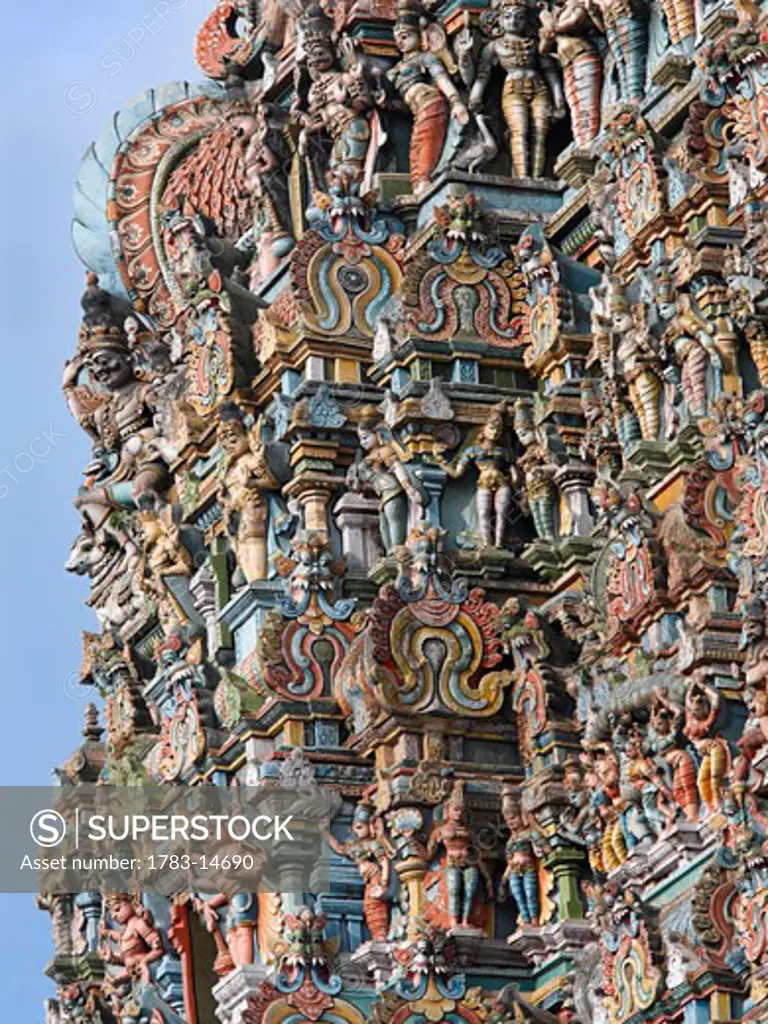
[
  {"x": 310, "y": 619},
  {"x": 464, "y": 284}
]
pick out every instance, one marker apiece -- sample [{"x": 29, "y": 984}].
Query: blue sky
[{"x": 66, "y": 68}]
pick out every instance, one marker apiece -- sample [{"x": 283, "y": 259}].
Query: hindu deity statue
[
  {"x": 371, "y": 854},
  {"x": 264, "y": 158},
  {"x": 538, "y": 469},
  {"x": 490, "y": 452},
  {"x": 245, "y": 476},
  {"x": 162, "y": 554},
  {"x": 626, "y": 27},
  {"x": 337, "y": 100},
  {"x": 641, "y": 773},
  {"x": 383, "y": 470},
  {"x": 423, "y": 79},
  {"x": 702, "y": 707},
  {"x": 631, "y": 361},
  {"x": 569, "y": 29},
  {"x": 522, "y": 870},
  {"x": 138, "y": 942},
  {"x": 639, "y": 363},
  {"x": 527, "y": 97},
  {"x": 666, "y": 741},
  {"x": 453, "y": 836},
  {"x": 118, "y": 410},
  {"x": 579, "y": 821},
  {"x": 624, "y": 822},
  {"x": 608, "y": 303},
  {"x": 694, "y": 343}
]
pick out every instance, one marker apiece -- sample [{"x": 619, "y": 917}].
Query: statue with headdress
[
  {"x": 118, "y": 410},
  {"x": 383, "y": 469},
  {"x": 489, "y": 450},
  {"x": 530, "y": 96},
  {"x": 134, "y": 944},
  {"x": 462, "y": 869},
  {"x": 245, "y": 475},
  {"x": 702, "y": 709},
  {"x": 538, "y": 470},
  {"x": 423, "y": 78},
  {"x": 163, "y": 555},
  {"x": 369, "y": 850},
  {"x": 334, "y": 95},
  {"x": 522, "y": 871},
  {"x": 694, "y": 342}
]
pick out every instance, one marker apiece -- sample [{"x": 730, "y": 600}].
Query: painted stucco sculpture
[{"x": 430, "y": 473}]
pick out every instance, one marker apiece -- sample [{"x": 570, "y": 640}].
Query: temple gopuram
[{"x": 424, "y": 354}]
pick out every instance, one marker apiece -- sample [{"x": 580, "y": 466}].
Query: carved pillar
[
  {"x": 203, "y": 589},
  {"x": 574, "y": 483},
  {"x": 411, "y": 873},
  {"x": 313, "y": 493},
  {"x": 90, "y": 903},
  {"x": 170, "y": 984},
  {"x": 294, "y": 862},
  {"x": 182, "y": 943},
  {"x": 357, "y": 517},
  {"x": 221, "y": 583},
  {"x": 433, "y": 482},
  {"x": 565, "y": 865}
]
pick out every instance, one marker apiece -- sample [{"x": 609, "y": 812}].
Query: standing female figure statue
[
  {"x": 487, "y": 449},
  {"x": 423, "y": 78}
]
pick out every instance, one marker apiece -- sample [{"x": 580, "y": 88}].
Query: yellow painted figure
[
  {"x": 246, "y": 475},
  {"x": 702, "y": 706}
]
